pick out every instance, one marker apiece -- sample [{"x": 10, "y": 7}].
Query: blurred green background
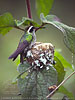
[{"x": 64, "y": 9}]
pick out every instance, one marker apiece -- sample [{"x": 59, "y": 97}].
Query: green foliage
[
  {"x": 26, "y": 21},
  {"x": 14, "y": 81},
  {"x": 68, "y": 32},
  {"x": 63, "y": 90},
  {"x": 65, "y": 63},
  {"x": 36, "y": 83},
  {"x": 17, "y": 62},
  {"x": 22, "y": 67},
  {"x": 44, "y": 6},
  {"x": 60, "y": 70},
  {"x": 6, "y": 23}
]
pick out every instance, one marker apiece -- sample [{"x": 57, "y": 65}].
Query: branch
[
  {"x": 24, "y": 72},
  {"x": 42, "y": 26},
  {"x": 13, "y": 27},
  {"x": 60, "y": 85},
  {"x": 19, "y": 28},
  {"x": 28, "y": 9}
]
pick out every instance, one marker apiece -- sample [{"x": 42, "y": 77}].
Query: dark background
[{"x": 64, "y": 9}]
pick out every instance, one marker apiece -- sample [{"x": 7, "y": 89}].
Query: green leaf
[
  {"x": 63, "y": 90},
  {"x": 14, "y": 81},
  {"x": 68, "y": 32},
  {"x": 36, "y": 83},
  {"x": 6, "y": 23},
  {"x": 17, "y": 62},
  {"x": 18, "y": 22},
  {"x": 65, "y": 63},
  {"x": 26, "y": 21},
  {"x": 23, "y": 67},
  {"x": 60, "y": 70},
  {"x": 44, "y": 6}
]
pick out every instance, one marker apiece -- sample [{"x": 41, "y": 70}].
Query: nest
[{"x": 41, "y": 55}]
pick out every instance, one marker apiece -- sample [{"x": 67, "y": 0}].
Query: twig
[
  {"x": 40, "y": 26},
  {"x": 19, "y": 28},
  {"x": 28, "y": 9},
  {"x": 14, "y": 27},
  {"x": 30, "y": 16},
  {"x": 60, "y": 84},
  {"x": 24, "y": 72}
]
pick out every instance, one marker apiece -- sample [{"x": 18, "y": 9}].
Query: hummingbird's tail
[
  {"x": 14, "y": 55},
  {"x": 20, "y": 49}
]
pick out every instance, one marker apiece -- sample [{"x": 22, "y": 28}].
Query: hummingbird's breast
[{"x": 27, "y": 37}]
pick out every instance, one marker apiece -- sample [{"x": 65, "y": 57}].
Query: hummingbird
[{"x": 26, "y": 42}]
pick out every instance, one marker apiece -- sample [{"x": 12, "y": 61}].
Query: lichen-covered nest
[{"x": 40, "y": 55}]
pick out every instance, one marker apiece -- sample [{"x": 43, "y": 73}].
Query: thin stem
[
  {"x": 19, "y": 28},
  {"x": 42, "y": 25},
  {"x": 28, "y": 9},
  {"x": 14, "y": 27},
  {"x": 60, "y": 84},
  {"x": 24, "y": 72}
]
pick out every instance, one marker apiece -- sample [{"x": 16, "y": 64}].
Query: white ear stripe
[{"x": 30, "y": 28}]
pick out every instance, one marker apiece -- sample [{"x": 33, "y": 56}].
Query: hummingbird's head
[{"x": 31, "y": 29}]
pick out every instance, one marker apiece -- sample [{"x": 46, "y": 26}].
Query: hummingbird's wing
[{"x": 20, "y": 49}]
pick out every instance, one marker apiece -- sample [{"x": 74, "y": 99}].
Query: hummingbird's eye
[{"x": 31, "y": 29}]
